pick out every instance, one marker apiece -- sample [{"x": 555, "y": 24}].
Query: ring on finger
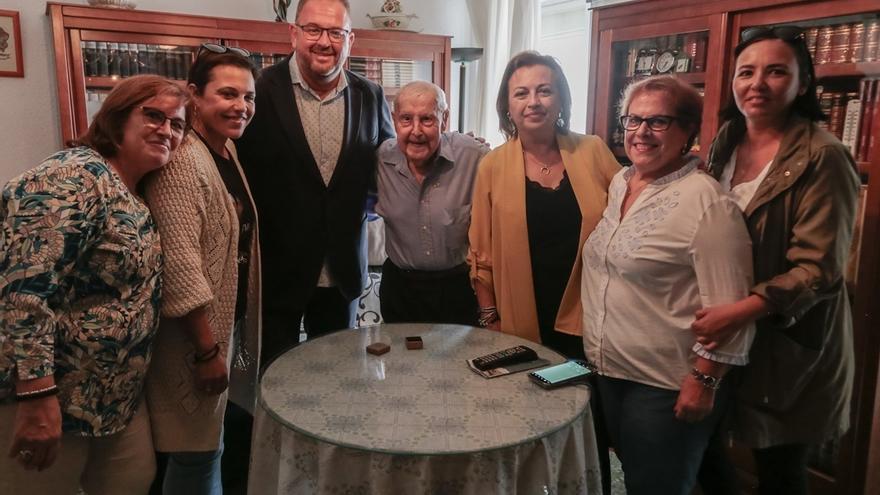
[{"x": 26, "y": 454}]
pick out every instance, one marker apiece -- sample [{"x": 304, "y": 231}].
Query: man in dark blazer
[{"x": 309, "y": 156}]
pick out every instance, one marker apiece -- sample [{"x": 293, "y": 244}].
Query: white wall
[
  {"x": 29, "y": 106},
  {"x": 565, "y": 35}
]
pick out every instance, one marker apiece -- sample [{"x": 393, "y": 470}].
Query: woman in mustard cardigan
[{"x": 536, "y": 200}]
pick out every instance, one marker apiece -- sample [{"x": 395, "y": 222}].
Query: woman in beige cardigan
[
  {"x": 536, "y": 199},
  {"x": 210, "y": 297}
]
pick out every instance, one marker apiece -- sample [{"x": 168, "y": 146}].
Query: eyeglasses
[
  {"x": 313, "y": 32},
  {"x": 215, "y": 48},
  {"x": 657, "y": 123},
  {"x": 785, "y": 33},
  {"x": 153, "y": 117}
]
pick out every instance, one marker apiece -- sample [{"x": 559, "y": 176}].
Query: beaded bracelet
[{"x": 37, "y": 394}]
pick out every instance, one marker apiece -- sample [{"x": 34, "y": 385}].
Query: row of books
[
  {"x": 844, "y": 43},
  {"x": 104, "y": 59},
  {"x": 263, "y": 60},
  {"x": 387, "y": 73},
  {"x": 850, "y": 116}
]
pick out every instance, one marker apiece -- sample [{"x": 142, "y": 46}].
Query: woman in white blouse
[{"x": 669, "y": 243}]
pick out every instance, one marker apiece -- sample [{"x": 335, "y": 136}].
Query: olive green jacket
[{"x": 798, "y": 384}]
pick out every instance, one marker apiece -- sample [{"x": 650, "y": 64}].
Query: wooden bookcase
[
  {"x": 618, "y": 30},
  {"x": 393, "y": 56}
]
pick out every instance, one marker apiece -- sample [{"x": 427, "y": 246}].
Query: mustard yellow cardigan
[{"x": 499, "y": 239}]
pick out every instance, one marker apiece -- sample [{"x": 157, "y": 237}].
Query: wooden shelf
[{"x": 860, "y": 69}]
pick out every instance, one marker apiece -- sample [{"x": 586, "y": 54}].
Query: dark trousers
[
  {"x": 660, "y": 454},
  {"x": 326, "y": 311},
  {"x": 782, "y": 469},
  {"x": 415, "y": 296},
  {"x": 237, "y": 430},
  {"x": 717, "y": 474}
]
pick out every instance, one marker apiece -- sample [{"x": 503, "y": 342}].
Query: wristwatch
[{"x": 708, "y": 381}]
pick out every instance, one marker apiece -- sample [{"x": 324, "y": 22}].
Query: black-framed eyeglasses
[
  {"x": 656, "y": 123},
  {"x": 786, "y": 33},
  {"x": 153, "y": 117},
  {"x": 313, "y": 32},
  {"x": 215, "y": 48}
]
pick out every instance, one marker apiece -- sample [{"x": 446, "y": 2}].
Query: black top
[
  {"x": 236, "y": 188},
  {"x": 553, "y": 219}
]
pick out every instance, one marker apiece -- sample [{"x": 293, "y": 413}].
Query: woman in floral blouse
[{"x": 79, "y": 292}]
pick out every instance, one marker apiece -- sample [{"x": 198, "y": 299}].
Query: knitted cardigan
[{"x": 199, "y": 234}]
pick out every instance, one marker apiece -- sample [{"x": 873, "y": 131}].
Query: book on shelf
[
  {"x": 851, "y": 122},
  {"x": 868, "y": 93}
]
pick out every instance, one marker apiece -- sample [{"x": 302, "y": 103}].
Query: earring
[
  {"x": 685, "y": 149},
  {"x": 560, "y": 123},
  {"x": 510, "y": 121}
]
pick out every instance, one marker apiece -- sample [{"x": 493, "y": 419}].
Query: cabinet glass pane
[
  {"x": 680, "y": 54},
  {"x": 391, "y": 74},
  {"x": 120, "y": 60},
  {"x": 263, "y": 60}
]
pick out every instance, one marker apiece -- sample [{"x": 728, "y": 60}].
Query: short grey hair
[
  {"x": 686, "y": 100},
  {"x": 440, "y": 104}
]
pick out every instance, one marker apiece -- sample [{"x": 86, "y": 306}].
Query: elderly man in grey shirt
[{"x": 425, "y": 181}]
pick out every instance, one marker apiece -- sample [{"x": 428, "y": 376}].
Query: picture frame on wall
[{"x": 11, "y": 63}]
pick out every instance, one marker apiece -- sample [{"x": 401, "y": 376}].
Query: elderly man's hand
[{"x": 481, "y": 139}]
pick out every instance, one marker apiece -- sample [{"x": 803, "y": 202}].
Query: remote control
[{"x": 514, "y": 355}]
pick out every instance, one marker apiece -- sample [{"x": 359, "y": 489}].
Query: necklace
[{"x": 544, "y": 168}]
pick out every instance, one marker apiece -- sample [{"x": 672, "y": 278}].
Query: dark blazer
[{"x": 302, "y": 221}]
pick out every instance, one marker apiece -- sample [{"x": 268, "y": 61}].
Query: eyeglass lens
[
  {"x": 156, "y": 118},
  {"x": 215, "y": 48},
  {"x": 655, "y": 123},
  {"x": 787, "y": 33},
  {"x": 313, "y": 32}
]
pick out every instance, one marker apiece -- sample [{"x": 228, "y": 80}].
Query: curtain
[{"x": 503, "y": 28}]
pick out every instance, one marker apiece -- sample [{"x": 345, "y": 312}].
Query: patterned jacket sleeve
[{"x": 49, "y": 218}]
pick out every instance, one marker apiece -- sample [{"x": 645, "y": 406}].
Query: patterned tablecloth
[{"x": 335, "y": 419}]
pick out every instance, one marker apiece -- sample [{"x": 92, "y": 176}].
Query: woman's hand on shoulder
[{"x": 36, "y": 433}]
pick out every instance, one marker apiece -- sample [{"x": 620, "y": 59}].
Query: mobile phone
[{"x": 560, "y": 374}]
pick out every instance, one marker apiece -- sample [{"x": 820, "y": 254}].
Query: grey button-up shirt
[
  {"x": 426, "y": 225},
  {"x": 323, "y": 122}
]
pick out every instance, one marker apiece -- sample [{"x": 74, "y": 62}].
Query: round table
[{"x": 333, "y": 418}]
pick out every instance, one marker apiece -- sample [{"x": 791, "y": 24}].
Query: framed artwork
[{"x": 11, "y": 64}]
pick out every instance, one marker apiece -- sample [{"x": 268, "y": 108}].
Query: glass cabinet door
[
  {"x": 681, "y": 54},
  {"x": 105, "y": 58},
  {"x": 391, "y": 74}
]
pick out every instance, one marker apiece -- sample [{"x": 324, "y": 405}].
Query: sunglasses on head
[
  {"x": 219, "y": 49},
  {"x": 786, "y": 33}
]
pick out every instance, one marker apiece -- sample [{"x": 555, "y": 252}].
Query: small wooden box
[
  {"x": 378, "y": 348},
  {"x": 414, "y": 343}
]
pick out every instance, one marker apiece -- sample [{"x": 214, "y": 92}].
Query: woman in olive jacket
[{"x": 798, "y": 188}]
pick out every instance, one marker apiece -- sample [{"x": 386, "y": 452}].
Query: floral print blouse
[{"x": 80, "y": 270}]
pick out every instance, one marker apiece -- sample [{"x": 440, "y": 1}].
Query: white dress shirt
[{"x": 682, "y": 246}]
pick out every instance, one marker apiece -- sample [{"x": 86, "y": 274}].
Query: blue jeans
[
  {"x": 194, "y": 473},
  {"x": 660, "y": 454}
]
